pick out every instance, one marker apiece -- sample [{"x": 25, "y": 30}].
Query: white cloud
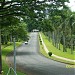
[{"x": 71, "y": 5}]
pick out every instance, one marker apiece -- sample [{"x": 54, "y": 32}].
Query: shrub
[
  {"x": 40, "y": 42},
  {"x": 49, "y": 53}
]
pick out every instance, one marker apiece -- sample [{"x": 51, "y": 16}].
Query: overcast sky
[{"x": 72, "y": 5}]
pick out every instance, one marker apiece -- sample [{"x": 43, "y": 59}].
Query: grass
[
  {"x": 55, "y": 51},
  {"x": 42, "y": 51},
  {"x": 6, "y": 49}
]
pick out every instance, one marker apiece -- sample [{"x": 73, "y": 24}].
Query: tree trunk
[
  {"x": 64, "y": 43},
  {"x": 59, "y": 41},
  {"x": 11, "y": 38},
  {"x": 71, "y": 41},
  {"x": 49, "y": 35},
  {"x": 0, "y": 53},
  {"x": 2, "y": 39},
  {"x": 71, "y": 45},
  {"x": 58, "y": 38},
  {"x": 53, "y": 38},
  {"x": 17, "y": 38},
  {"x": 6, "y": 40}
]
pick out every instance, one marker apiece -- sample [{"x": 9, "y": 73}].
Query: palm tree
[{"x": 71, "y": 27}]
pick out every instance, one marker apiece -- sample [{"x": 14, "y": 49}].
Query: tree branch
[{"x": 14, "y": 14}]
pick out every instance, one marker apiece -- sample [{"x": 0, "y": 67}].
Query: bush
[
  {"x": 49, "y": 53},
  {"x": 40, "y": 42}
]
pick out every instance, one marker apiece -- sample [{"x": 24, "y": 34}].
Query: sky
[{"x": 72, "y": 5}]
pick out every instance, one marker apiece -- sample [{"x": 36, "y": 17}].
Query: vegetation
[
  {"x": 49, "y": 53},
  {"x": 55, "y": 51},
  {"x": 14, "y": 16},
  {"x": 58, "y": 27},
  {"x": 6, "y": 49},
  {"x": 52, "y": 17},
  {"x": 61, "y": 30}
]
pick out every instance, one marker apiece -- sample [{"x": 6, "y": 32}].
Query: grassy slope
[
  {"x": 5, "y": 51},
  {"x": 55, "y": 51}
]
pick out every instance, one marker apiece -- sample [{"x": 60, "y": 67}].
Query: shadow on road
[{"x": 23, "y": 53}]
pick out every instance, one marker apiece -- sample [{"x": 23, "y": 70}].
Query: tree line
[
  {"x": 53, "y": 17},
  {"x": 14, "y": 17},
  {"x": 59, "y": 26}
]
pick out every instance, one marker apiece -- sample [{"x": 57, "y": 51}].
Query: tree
[
  {"x": 60, "y": 25},
  {"x": 17, "y": 8},
  {"x": 71, "y": 21}
]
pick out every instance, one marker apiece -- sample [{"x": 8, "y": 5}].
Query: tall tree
[{"x": 18, "y": 8}]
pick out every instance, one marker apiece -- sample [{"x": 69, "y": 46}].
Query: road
[{"x": 33, "y": 63}]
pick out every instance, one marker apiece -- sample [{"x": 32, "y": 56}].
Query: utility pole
[
  {"x": 0, "y": 53},
  {"x": 14, "y": 70},
  {"x": 14, "y": 55}
]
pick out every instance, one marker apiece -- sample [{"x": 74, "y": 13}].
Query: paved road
[{"x": 33, "y": 63}]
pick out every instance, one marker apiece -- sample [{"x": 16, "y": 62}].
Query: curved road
[{"x": 33, "y": 63}]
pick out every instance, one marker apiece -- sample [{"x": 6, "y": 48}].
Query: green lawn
[
  {"x": 55, "y": 51},
  {"x": 6, "y": 49}
]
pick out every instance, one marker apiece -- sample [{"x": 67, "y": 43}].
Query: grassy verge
[
  {"x": 5, "y": 51},
  {"x": 55, "y": 51}
]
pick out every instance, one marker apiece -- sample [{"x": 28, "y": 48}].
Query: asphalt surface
[{"x": 33, "y": 63}]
